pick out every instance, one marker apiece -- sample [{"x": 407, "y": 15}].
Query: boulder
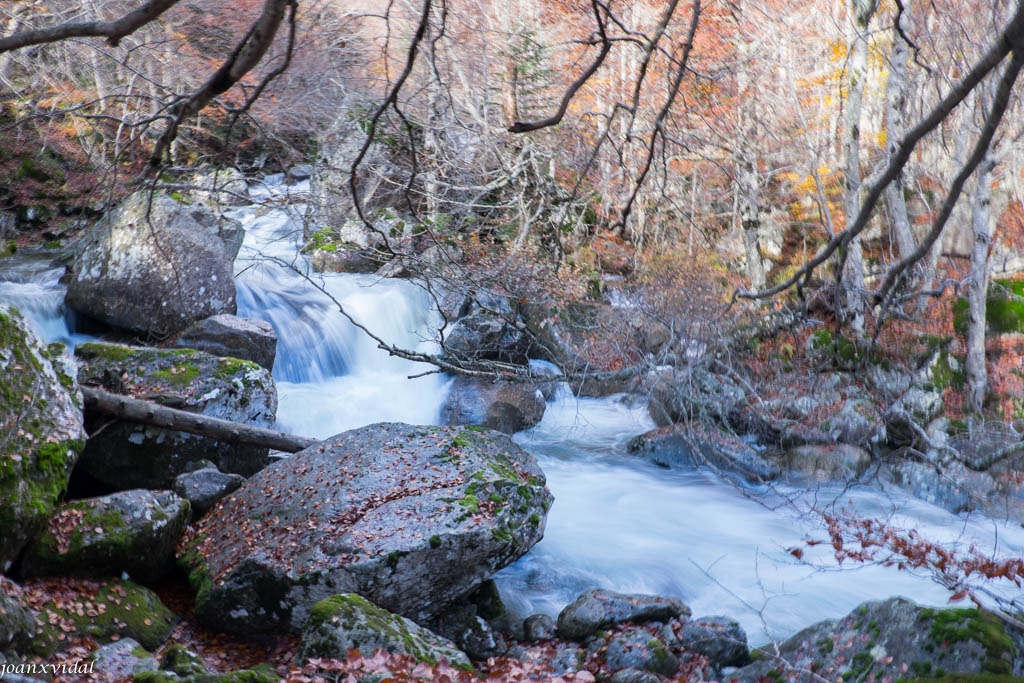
[
  {"x": 676, "y": 396},
  {"x": 123, "y": 659},
  {"x": 907, "y": 417},
  {"x": 17, "y": 620},
  {"x": 597, "y": 609},
  {"x": 636, "y": 648},
  {"x": 153, "y": 266},
  {"x": 184, "y": 666},
  {"x": 345, "y": 622},
  {"x": 505, "y": 406},
  {"x": 218, "y": 188},
  {"x": 488, "y": 336},
  {"x": 41, "y": 430},
  {"x": 202, "y": 488},
  {"x": 538, "y": 627},
  {"x": 469, "y": 632},
  {"x": 889, "y": 640},
  {"x": 721, "y": 640},
  {"x": 698, "y": 446},
  {"x": 838, "y": 462},
  {"x": 229, "y": 336},
  {"x": 332, "y": 258},
  {"x": 131, "y": 532},
  {"x": 411, "y": 518},
  {"x": 126, "y": 455}
]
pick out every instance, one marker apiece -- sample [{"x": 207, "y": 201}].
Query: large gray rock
[
  {"x": 123, "y": 659},
  {"x": 698, "y": 446},
  {"x": 505, "y": 406},
  {"x": 344, "y": 622},
  {"x": 154, "y": 266},
  {"x": 636, "y": 648},
  {"x": 679, "y": 395},
  {"x": 203, "y": 487},
  {"x": 599, "y": 608},
  {"x": 229, "y": 336},
  {"x": 888, "y": 640},
  {"x": 720, "y": 639},
  {"x": 131, "y": 532},
  {"x": 411, "y": 518},
  {"x": 837, "y": 462},
  {"x": 41, "y": 431},
  {"x": 126, "y": 455},
  {"x": 17, "y": 621},
  {"x": 488, "y": 336}
]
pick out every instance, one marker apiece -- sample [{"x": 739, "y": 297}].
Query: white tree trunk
[
  {"x": 895, "y": 111},
  {"x": 977, "y": 287}
]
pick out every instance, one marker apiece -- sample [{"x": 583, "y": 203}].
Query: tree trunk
[
  {"x": 750, "y": 217},
  {"x": 149, "y": 413},
  {"x": 977, "y": 288},
  {"x": 895, "y": 110},
  {"x": 852, "y": 276}
]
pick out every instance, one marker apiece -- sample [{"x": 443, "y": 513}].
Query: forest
[{"x": 789, "y": 236}]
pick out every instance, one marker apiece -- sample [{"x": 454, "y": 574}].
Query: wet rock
[
  {"x": 508, "y": 407},
  {"x": 344, "y": 622},
  {"x": 123, "y": 659},
  {"x": 228, "y": 335},
  {"x": 219, "y": 188},
  {"x": 154, "y": 266},
  {"x": 412, "y": 518},
  {"x": 486, "y": 336},
  {"x": 891, "y": 639},
  {"x": 41, "y": 420},
  {"x": 720, "y": 639},
  {"x": 599, "y": 608},
  {"x": 635, "y": 676},
  {"x": 126, "y": 455},
  {"x": 701, "y": 446},
  {"x": 470, "y": 632},
  {"x": 204, "y": 487},
  {"x": 679, "y": 395},
  {"x": 636, "y": 648},
  {"x": 838, "y": 462},
  {"x": 131, "y": 532},
  {"x": 344, "y": 260},
  {"x": 538, "y": 627},
  {"x": 17, "y": 620}
]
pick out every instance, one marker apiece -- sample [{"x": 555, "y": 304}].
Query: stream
[{"x": 618, "y": 521}]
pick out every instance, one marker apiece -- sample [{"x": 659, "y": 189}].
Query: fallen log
[{"x": 149, "y": 413}]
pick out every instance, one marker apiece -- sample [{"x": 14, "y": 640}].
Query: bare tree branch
[{"x": 113, "y": 31}]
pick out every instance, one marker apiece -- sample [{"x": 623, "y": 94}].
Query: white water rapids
[{"x": 618, "y": 521}]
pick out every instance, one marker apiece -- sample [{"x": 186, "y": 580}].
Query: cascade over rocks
[
  {"x": 131, "y": 532},
  {"x": 153, "y": 266},
  {"x": 411, "y": 518},
  {"x": 43, "y": 434},
  {"x": 126, "y": 455}
]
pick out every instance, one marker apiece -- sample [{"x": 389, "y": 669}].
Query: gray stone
[
  {"x": 131, "y": 532},
  {"x": 228, "y": 335},
  {"x": 412, "y": 518},
  {"x": 122, "y": 659},
  {"x": 635, "y": 676},
  {"x": 202, "y": 488},
  {"x": 486, "y": 336},
  {"x": 720, "y": 639},
  {"x": 155, "y": 267},
  {"x": 700, "y": 446},
  {"x": 505, "y": 406},
  {"x": 344, "y": 260},
  {"x": 41, "y": 430},
  {"x": 838, "y": 462},
  {"x": 636, "y": 648},
  {"x": 343, "y": 622},
  {"x": 678, "y": 395},
  {"x": 126, "y": 455},
  {"x": 470, "y": 633},
  {"x": 218, "y": 188},
  {"x": 17, "y": 620},
  {"x": 599, "y": 608},
  {"x": 888, "y": 640},
  {"x": 538, "y": 627}
]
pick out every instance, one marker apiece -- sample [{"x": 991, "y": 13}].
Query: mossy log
[{"x": 149, "y": 413}]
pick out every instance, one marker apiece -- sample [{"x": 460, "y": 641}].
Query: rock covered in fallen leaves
[
  {"x": 350, "y": 622},
  {"x": 122, "y": 659},
  {"x": 599, "y": 608},
  {"x": 104, "y": 611},
  {"x": 411, "y": 518},
  {"x": 153, "y": 266},
  {"x": 180, "y": 665},
  {"x": 40, "y": 429},
  {"x": 125, "y": 455},
  {"x": 889, "y": 640},
  {"x": 131, "y": 532}
]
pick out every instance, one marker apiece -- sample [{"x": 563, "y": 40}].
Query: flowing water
[{"x": 618, "y": 521}]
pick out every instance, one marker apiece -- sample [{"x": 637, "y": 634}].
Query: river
[{"x": 618, "y": 521}]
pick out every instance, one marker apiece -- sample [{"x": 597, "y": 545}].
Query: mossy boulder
[
  {"x": 40, "y": 428},
  {"x": 412, "y": 518},
  {"x": 892, "y": 639},
  {"x": 636, "y": 648},
  {"x": 126, "y": 455},
  {"x": 180, "y": 665},
  {"x": 153, "y": 266},
  {"x": 131, "y": 532},
  {"x": 102, "y": 610},
  {"x": 344, "y": 622}
]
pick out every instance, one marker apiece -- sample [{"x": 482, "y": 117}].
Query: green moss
[
  {"x": 435, "y": 541},
  {"x": 9, "y": 249},
  {"x": 502, "y": 535},
  {"x": 957, "y": 625},
  {"x": 230, "y": 368},
  {"x": 534, "y": 520},
  {"x": 470, "y": 502},
  {"x": 126, "y": 609},
  {"x": 106, "y": 352},
  {"x": 178, "y": 375}
]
